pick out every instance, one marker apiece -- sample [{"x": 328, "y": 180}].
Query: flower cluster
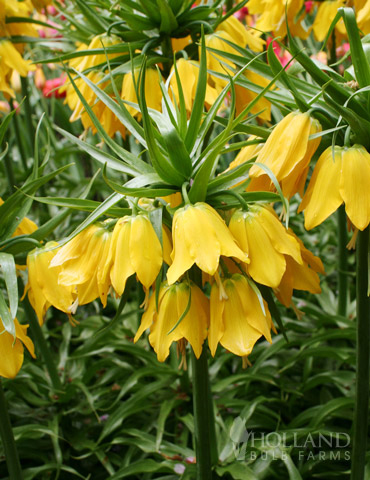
[{"x": 255, "y": 247}]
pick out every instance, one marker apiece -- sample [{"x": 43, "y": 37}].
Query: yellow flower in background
[
  {"x": 153, "y": 93},
  {"x": 241, "y": 35},
  {"x": 173, "y": 302},
  {"x": 324, "y": 17},
  {"x": 135, "y": 249},
  {"x": 237, "y": 320},
  {"x": 11, "y": 54},
  {"x": 263, "y": 238},
  {"x": 108, "y": 120},
  {"x": 340, "y": 176},
  {"x": 363, "y": 16},
  {"x": 215, "y": 61},
  {"x": 200, "y": 236},
  {"x": 298, "y": 276},
  {"x": 85, "y": 264},
  {"x": 188, "y": 71},
  {"x": 271, "y": 16},
  {"x": 43, "y": 288},
  {"x": 287, "y": 153},
  {"x": 244, "y": 96},
  {"x": 12, "y": 350},
  {"x": 10, "y": 60},
  {"x": 246, "y": 153}
]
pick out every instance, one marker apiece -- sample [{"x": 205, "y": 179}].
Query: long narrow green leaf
[{"x": 7, "y": 268}]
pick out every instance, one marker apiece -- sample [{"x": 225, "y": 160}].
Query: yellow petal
[
  {"x": 285, "y": 147},
  {"x": 165, "y": 320},
  {"x": 122, "y": 268},
  {"x": 267, "y": 265},
  {"x": 194, "y": 325},
  {"x": 322, "y": 196},
  {"x": 279, "y": 236},
  {"x": 252, "y": 308},
  {"x": 239, "y": 336},
  {"x": 145, "y": 250},
  {"x": 355, "y": 184},
  {"x": 11, "y": 355},
  {"x": 216, "y": 326}
]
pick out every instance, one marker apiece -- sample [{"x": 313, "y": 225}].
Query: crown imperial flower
[{"x": 200, "y": 236}]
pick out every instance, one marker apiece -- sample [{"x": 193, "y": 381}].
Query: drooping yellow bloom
[
  {"x": 263, "y": 238},
  {"x": 85, "y": 264},
  {"x": 153, "y": 93},
  {"x": 271, "y": 16},
  {"x": 200, "y": 236},
  {"x": 236, "y": 317},
  {"x": 246, "y": 153},
  {"x": 339, "y": 176},
  {"x": 108, "y": 120},
  {"x": 42, "y": 287},
  {"x": 188, "y": 71},
  {"x": 324, "y": 17},
  {"x": 287, "y": 153},
  {"x": 135, "y": 249},
  {"x": 173, "y": 302},
  {"x": 215, "y": 61},
  {"x": 242, "y": 35},
  {"x": 12, "y": 351},
  {"x": 300, "y": 276},
  {"x": 11, "y": 54}
]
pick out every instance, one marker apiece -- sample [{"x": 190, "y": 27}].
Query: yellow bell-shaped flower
[
  {"x": 287, "y": 152},
  {"x": 241, "y": 35},
  {"x": 237, "y": 320},
  {"x": 135, "y": 249},
  {"x": 339, "y": 176},
  {"x": 43, "y": 288},
  {"x": 200, "y": 236},
  {"x": 182, "y": 313},
  {"x": 85, "y": 264},
  {"x": 12, "y": 351},
  {"x": 188, "y": 71},
  {"x": 300, "y": 276},
  {"x": 153, "y": 93},
  {"x": 263, "y": 238}
]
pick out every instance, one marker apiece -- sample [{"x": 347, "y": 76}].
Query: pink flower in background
[
  {"x": 283, "y": 55},
  {"x": 241, "y": 14},
  {"x": 308, "y": 6},
  {"x": 51, "y": 88}
]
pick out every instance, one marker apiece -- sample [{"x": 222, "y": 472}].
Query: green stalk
[
  {"x": 7, "y": 437},
  {"x": 360, "y": 421},
  {"x": 42, "y": 345},
  {"x": 28, "y": 111},
  {"x": 19, "y": 138},
  {"x": 342, "y": 262},
  {"x": 204, "y": 420},
  {"x": 229, "y": 4}
]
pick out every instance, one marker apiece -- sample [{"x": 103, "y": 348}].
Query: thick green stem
[
  {"x": 204, "y": 421},
  {"x": 28, "y": 111},
  {"x": 342, "y": 262},
  {"x": 229, "y": 4},
  {"x": 19, "y": 138},
  {"x": 360, "y": 421},
  {"x": 7, "y": 437},
  {"x": 42, "y": 346}
]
